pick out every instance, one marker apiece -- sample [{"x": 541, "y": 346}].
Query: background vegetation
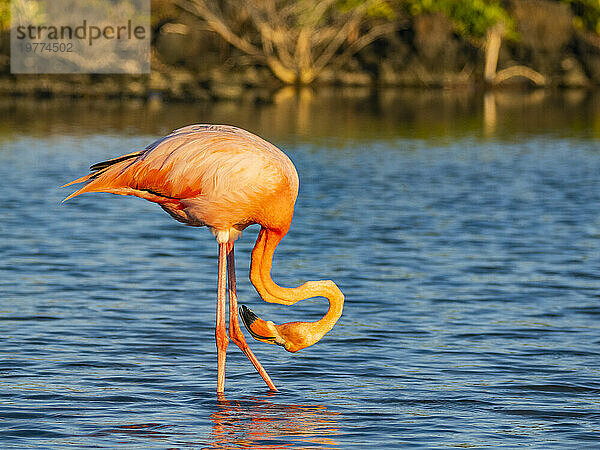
[{"x": 222, "y": 48}]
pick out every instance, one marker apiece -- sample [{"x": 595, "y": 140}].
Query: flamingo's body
[{"x": 226, "y": 178}]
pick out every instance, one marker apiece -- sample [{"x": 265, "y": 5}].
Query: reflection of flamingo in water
[
  {"x": 226, "y": 178},
  {"x": 257, "y": 423}
]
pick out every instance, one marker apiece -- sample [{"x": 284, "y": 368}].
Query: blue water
[{"x": 470, "y": 262}]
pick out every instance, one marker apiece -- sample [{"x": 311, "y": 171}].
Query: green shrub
[
  {"x": 472, "y": 18},
  {"x": 4, "y": 15},
  {"x": 587, "y": 14},
  {"x": 374, "y": 8}
]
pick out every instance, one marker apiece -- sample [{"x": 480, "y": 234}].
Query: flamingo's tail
[{"x": 95, "y": 182}]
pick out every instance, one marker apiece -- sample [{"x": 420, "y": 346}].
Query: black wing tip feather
[{"x": 104, "y": 164}]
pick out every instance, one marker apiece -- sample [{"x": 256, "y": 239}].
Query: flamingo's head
[{"x": 292, "y": 336}]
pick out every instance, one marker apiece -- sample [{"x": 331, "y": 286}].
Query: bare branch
[
  {"x": 273, "y": 38},
  {"x": 335, "y": 44},
  {"x": 200, "y": 9},
  {"x": 372, "y": 35},
  {"x": 318, "y": 12},
  {"x": 296, "y": 39},
  {"x": 520, "y": 71}
]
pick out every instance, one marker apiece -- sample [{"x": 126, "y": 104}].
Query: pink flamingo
[{"x": 226, "y": 178}]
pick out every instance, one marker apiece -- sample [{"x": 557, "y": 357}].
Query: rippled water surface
[{"x": 465, "y": 235}]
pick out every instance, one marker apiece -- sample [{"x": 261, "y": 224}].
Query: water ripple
[{"x": 470, "y": 269}]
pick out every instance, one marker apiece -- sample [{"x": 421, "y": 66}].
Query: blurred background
[{"x": 211, "y": 50}]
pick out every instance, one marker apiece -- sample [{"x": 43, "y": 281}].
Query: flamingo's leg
[
  {"x": 220, "y": 330},
  {"x": 235, "y": 333}
]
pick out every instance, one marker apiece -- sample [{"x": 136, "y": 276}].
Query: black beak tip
[{"x": 247, "y": 315}]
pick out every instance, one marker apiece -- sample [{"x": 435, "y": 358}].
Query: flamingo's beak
[
  {"x": 292, "y": 336},
  {"x": 258, "y": 328}
]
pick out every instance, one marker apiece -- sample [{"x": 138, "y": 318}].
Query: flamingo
[{"x": 226, "y": 178}]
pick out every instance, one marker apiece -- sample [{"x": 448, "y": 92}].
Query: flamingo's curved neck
[{"x": 260, "y": 275}]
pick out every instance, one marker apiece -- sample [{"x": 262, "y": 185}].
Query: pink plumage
[{"x": 225, "y": 178}]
